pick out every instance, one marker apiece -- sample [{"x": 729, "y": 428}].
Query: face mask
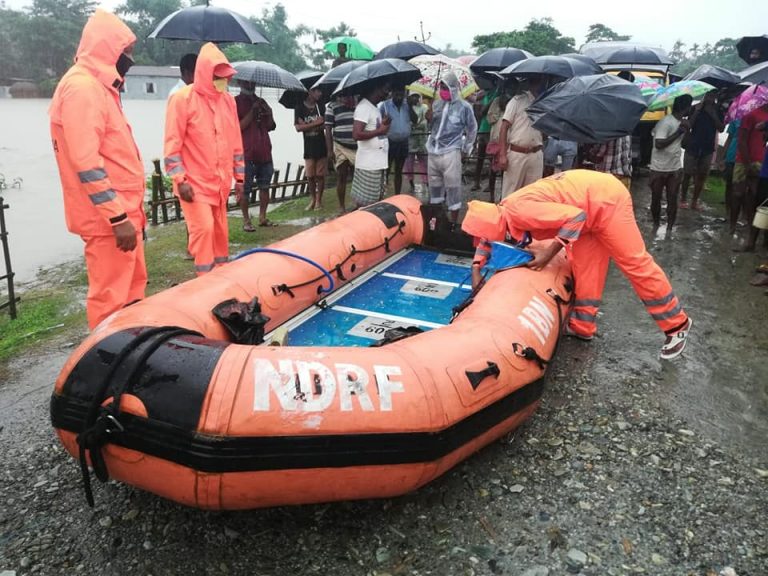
[
  {"x": 445, "y": 94},
  {"x": 124, "y": 63},
  {"x": 221, "y": 84}
]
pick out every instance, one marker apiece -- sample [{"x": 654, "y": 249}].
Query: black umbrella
[
  {"x": 589, "y": 109},
  {"x": 583, "y": 57},
  {"x": 328, "y": 81},
  {"x": 746, "y": 45},
  {"x": 757, "y": 74},
  {"x": 497, "y": 59},
  {"x": 267, "y": 75},
  {"x": 309, "y": 77},
  {"x": 714, "y": 76},
  {"x": 405, "y": 50},
  {"x": 635, "y": 55},
  {"x": 390, "y": 70},
  {"x": 208, "y": 24},
  {"x": 552, "y": 65}
]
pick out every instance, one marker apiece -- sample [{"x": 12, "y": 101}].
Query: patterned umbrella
[
  {"x": 648, "y": 87},
  {"x": 356, "y": 48},
  {"x": 433, "y": 68},
  {"x": 751, "y": 99},
  {"x": 267, "y": 75},
  {"x": 666, "y": 96}
]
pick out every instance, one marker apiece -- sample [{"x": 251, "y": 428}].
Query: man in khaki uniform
[{"x": 520, "y": 145}]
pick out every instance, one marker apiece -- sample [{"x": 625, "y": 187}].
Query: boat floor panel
[{"x": 420, "y": 289}]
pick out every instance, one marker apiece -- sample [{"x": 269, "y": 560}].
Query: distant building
[{"x": 150, "y": 82}]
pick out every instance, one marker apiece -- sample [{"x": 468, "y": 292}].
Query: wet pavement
[{"x": 630, "y": 466}]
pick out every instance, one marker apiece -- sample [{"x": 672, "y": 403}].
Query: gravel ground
[{"x": 630, "y": 466}]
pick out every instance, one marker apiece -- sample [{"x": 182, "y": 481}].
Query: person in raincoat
[
  {"x": 452, "y": 135},
  {"x": 102, "y": 175},
  {"x": 203, "y": 154},
  {"x": 590, "y": 215}
]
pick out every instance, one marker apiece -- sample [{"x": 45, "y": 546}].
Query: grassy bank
[{"x": 53, "y": 306}]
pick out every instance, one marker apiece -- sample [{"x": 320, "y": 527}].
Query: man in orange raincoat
[
  {"x": 590, "y": 215},
  {"x": 203, "y": 153},
  {"x": 101, "y": 172}
]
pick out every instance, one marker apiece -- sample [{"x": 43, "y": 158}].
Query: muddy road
[{"x": 630, "y": 466}]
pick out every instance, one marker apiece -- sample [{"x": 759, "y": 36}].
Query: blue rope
[{"x": 292, "y": 255}]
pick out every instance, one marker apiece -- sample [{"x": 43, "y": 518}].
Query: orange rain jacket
[
  {"x": 101, "y": 172},
  {"x": 203, "y": 144}
]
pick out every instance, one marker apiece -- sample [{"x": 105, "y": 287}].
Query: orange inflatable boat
[{"x": 367, "y": 389}]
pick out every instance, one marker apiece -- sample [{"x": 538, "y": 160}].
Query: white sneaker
[
  {"x": 568, "y": 331},
  {"x": 675, "y": 343}
]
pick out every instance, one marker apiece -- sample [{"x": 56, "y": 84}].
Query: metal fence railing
[{"x": 164, "y": 206}]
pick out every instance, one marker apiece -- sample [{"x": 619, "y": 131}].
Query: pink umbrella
[
  {"x": 467, "y": 59},
  {"x": 751, "y": 99}
]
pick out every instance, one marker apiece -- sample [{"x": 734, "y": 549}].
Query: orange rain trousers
[
  {"x": 621, "y": 240},
  {"x": 115, "y": 278},
  {"x": 208, "y": 234}
]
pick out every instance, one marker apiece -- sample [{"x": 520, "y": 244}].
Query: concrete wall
[{"x": 148, "y": 87}]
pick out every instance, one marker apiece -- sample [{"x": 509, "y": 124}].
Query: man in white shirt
[
  {"x": 666, "y": 159},
  {"x": 372, "y": 159}
]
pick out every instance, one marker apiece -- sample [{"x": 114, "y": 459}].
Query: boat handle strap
[{"x": 476, "y": 378}]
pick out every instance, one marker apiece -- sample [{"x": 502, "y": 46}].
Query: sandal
[
  {"x": 762, "y": 269},
  {"x": 267, "y": 223},
  {"x": 248, "y": 227}
]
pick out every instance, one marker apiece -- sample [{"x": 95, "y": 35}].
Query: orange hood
[
  {"x": 484, "y": 220},
  {"x": 104, "y": 38},
  {"x": 208, "y": 60}
]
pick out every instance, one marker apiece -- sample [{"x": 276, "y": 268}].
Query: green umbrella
[
  {"x": 666, "y": 96},
  {"x": 356, "y": 49}
]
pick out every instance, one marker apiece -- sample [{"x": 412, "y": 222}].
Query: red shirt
[
  {"x": 257, "y": 146},
  {"x": 756, "y": 138}
]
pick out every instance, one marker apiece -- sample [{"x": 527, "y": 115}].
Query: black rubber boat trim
[{"x": 215, "y": 454}]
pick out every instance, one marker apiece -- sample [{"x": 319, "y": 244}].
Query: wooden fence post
[{"x": 9, "y": 274}]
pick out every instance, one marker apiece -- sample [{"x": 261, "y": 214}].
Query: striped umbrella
[{"x": 666, "y": 96}]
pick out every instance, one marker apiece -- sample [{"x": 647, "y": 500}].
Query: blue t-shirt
[
  {"x": 764, "y": 169},
  {"x": 400, "y": 129},
  {"x": 733, "y": 132}
]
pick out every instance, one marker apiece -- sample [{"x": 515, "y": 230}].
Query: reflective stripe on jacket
[{"x": 564, "y": 206}]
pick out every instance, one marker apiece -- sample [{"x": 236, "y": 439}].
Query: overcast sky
[{"x": 456, "y": 22}]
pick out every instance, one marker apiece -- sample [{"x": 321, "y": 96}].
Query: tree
[
  {"x": 723, "y": 53},
  {"x": 283, "y": 50},
  {"x": 142, "y": 16},
  {"x": 452, "y": 52},
  {"x": 49, "y": 40},
  {"x": 602, "y": 33},
  {"x": 13, "y": 24},
  {"x": 539, "y": 37}
]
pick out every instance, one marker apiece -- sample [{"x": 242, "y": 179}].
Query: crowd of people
[{"x": 213, "y": 139}]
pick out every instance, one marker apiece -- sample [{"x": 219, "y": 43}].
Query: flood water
[{"x": 38, "y": 236}]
